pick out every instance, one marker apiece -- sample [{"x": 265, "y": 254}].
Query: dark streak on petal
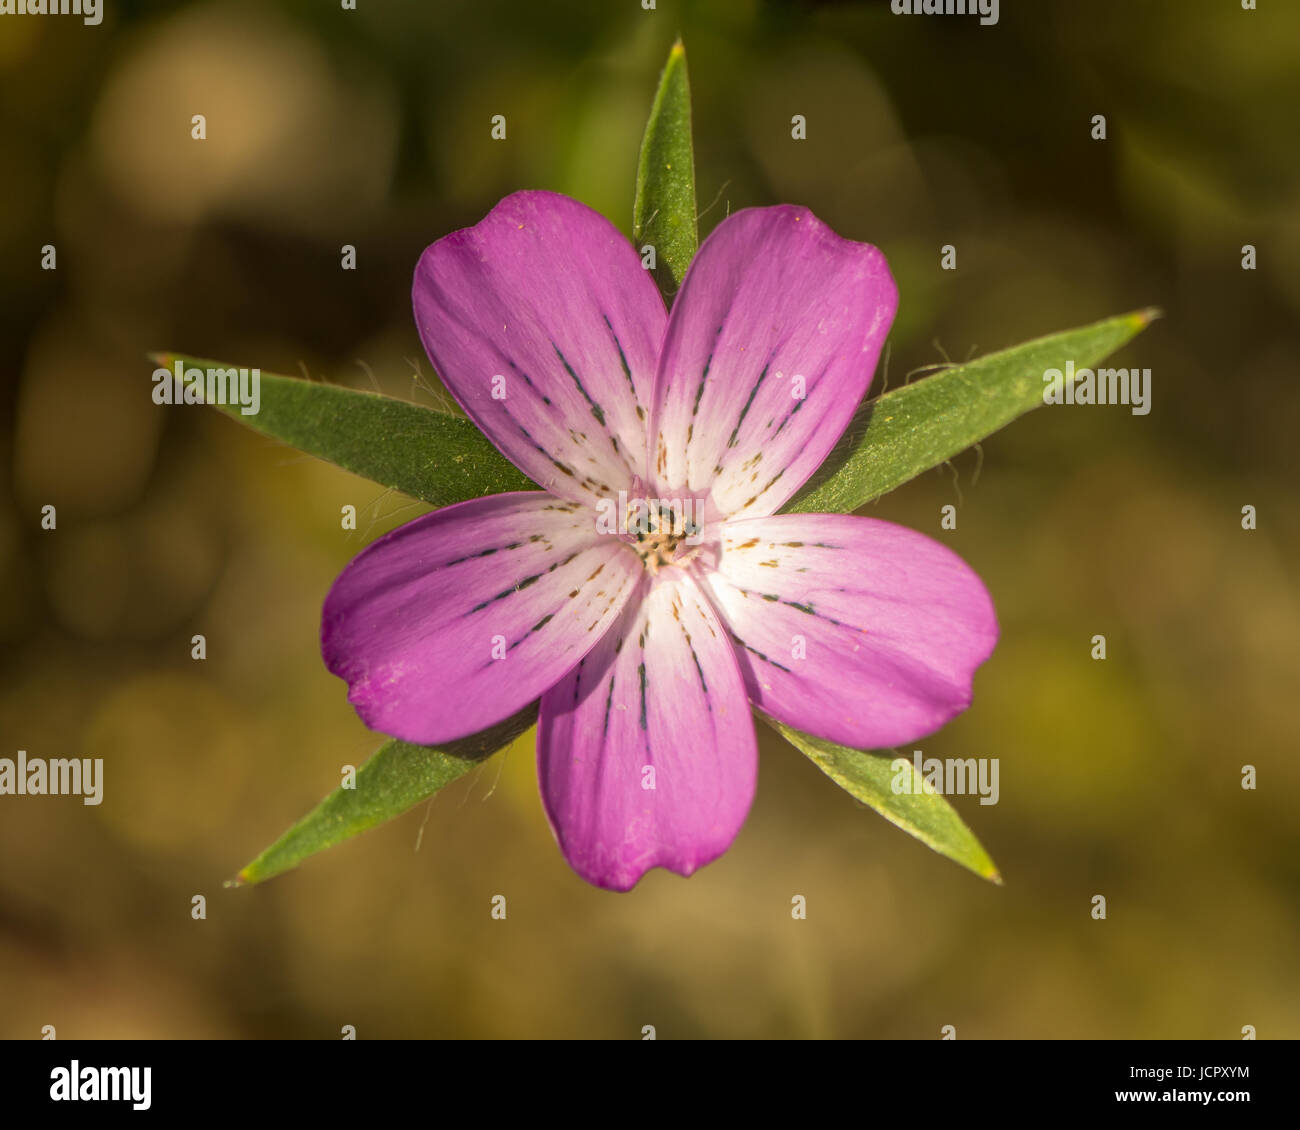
[
  {"x": 753, "y": 392},
  {"x": 528, "y": 381},
  {"x": 622, "y": 359},
  {"x": 699, "y": 670},
  {"x": 755, "y": 651},
  {"x": 803, "y": 400},
  {"x": 596, "y": 409},
  {"x": 608, "y": 700},
  {"x": 508, "y": 592},
  {"x": 805, "y": 608},
  {"x": 489, "y": 552},
  {"x": 770, "y": 484}
]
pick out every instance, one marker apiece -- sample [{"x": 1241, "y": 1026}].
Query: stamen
[{"x": 658, "y": 532}]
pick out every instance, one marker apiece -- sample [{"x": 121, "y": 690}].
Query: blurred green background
[{"x": 329, "y": 127}]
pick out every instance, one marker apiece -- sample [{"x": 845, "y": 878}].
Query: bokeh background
[{"x": 329, "y": 127}]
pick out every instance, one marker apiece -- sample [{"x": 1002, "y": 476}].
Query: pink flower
[{"x": 648, "y": 629}]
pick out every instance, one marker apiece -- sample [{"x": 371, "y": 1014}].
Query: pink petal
[
  {"x": 661, "y": 692},
  {"x": 548, "y": 295},
  {"x": 454, "y": 621},
  {"x": 773, "y": 295},
  {"x": 852, "y": 629}
]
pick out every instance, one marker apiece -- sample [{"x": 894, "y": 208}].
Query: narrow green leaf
[
  {"x": 398, "y": 776},
  {"x": 895, "y": 437},
  {"x": 922, "y": 812},
  {"x": 664, "y": 212},
  {"x": 431, "y": 456}
]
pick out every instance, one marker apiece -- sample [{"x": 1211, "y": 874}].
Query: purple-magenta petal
[
  {"x": 852, "y": 629},
  {"x": 646, "y": 750},
  {"x": 545, "y": 327},
  {"x": 454, "y": 621},
  {"x": 774, "y": 305}
]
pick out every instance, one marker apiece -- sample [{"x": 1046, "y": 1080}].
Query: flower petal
[
  {"x": 454, "y": 621},
  {"x": 544, "y": 326},
  {"x": 852, "y": 629},
  {"x": 646, "y": 750},
  {"x": 775, "y": 304}
]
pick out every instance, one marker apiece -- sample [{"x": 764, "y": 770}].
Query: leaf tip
[
  {"x": 1143, "y": 318},
  {"x": 678, "y": 49},
  {"x": 160, "y": 358}
]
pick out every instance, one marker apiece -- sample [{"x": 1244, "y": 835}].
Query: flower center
[{"x": 657, "y": 530}]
